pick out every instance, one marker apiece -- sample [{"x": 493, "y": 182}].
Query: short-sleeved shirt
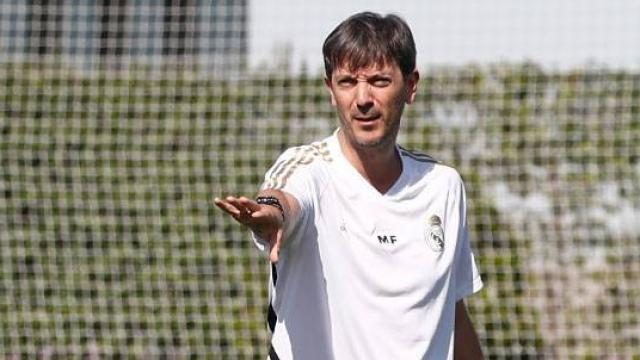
[{"x": 365, "y": 275}]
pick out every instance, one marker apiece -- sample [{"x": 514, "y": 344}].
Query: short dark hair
[{"x": 368, "y": 38}]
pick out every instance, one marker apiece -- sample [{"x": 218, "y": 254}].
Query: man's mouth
[{"x": 367, "y": 118}]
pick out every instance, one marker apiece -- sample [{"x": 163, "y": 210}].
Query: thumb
[{"x": 275, "y": 246}]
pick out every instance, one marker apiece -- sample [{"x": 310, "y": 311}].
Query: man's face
[{"x": 370, "y": 102}]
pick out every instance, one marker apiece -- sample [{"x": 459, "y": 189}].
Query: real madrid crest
[{"x": 435, "y": 234}]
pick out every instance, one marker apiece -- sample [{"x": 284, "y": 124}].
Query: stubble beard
[{"x": 388, "y": 139}]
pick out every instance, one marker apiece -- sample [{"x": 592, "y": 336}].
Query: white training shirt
[{"x": 365, "y": 275}]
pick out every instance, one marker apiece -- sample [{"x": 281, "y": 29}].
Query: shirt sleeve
[
  {"x": 289, "y": 174},
  {"x": 465, "y": 273}
]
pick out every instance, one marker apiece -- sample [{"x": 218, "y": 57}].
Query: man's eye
[
  {"x": 381, "y": 82},
  {"x": 346, "y": 82}
]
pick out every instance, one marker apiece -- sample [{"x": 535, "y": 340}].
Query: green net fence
[{"x": 110, "y": 246}]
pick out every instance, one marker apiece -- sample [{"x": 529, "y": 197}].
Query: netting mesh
[{"x": 120, "y": 120}]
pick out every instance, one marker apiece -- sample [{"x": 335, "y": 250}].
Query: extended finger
[
  {"x": 239, "y": 205},
  {"x": 226, "y": 206},
  {"x": 249, "y": 203}
]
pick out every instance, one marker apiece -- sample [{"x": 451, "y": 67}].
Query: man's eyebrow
[
  {"x": 371, "y": 76},
  {"x": 345, "y": 76},
  {"x": 380, "y": 76}
]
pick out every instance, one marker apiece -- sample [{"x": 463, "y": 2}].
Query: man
[{"x": 368, "y": 241}]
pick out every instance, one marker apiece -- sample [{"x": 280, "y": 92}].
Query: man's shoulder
[
  {"x": 317, "y": 150},
  {"x": 297, "y": 161},
  {"x": 429, "y": 164},
  {"x": 416, "y": 156}
]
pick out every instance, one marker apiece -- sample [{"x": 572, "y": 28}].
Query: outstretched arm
[
  {"x": 266, "y": 221},
  {"x": 466, "y": 345}
]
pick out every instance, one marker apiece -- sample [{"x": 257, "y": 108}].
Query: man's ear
[
  {"x": 412, "y": 86},
  {"x": 327, "y": 84}
]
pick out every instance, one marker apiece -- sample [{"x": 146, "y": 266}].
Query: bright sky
[{"x": 555, "y": 33}]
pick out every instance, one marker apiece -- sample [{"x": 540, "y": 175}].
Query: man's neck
[{"x": 380, "y": 166}]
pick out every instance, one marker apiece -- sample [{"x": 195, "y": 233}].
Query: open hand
[{"x": 264, "y": 220}]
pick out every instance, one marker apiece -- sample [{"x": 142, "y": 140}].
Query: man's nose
[{"x": 363, "y": 97}]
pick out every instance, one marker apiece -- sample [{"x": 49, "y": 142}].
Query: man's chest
[{"x": 373, "y": 232}]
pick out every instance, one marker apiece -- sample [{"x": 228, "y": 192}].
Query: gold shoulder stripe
[
  {"x": 277, "y": 178},
  {"x": 323, "y": 150},
  {"x": 278, "y": 167},
  {"x": 308, "y": 158},
  {"x": 283, "y": 167}
]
